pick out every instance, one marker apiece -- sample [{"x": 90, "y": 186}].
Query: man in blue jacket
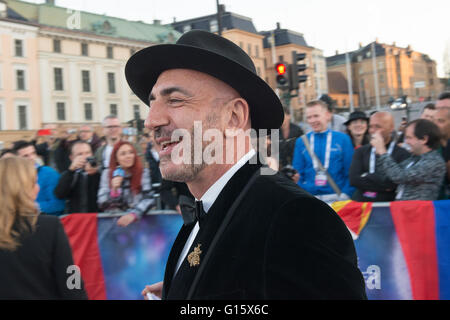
[
  {"x": 333, "y": 149},
  {"x": 47, "y": 180}
]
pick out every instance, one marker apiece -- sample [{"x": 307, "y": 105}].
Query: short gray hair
[{"x": 111, "y": 116}]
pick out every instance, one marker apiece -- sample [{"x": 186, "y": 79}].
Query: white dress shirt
[{"x": 208, "y": 199}]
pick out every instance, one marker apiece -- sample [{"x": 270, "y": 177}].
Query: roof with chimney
[
  {"x": 283, "y": 37},
  {"x": 47, "y": 14},
  {"x": 229, "y": 21}
]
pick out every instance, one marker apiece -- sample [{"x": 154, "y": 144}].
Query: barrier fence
[{"x": 403, "y": 249}]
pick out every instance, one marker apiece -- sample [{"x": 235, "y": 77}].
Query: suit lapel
[
  {"x": 181, "y": 283},
  {"x": 172, "y": 260}
]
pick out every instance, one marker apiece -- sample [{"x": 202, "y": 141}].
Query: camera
[{"x": 92, "y": 161}]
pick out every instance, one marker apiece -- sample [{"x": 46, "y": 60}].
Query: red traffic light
[{"x": 281, "y": 68}]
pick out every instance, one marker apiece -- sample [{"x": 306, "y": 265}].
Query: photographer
[{"x": 79, "y": 184}]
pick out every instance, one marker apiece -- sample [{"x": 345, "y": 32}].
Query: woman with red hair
[{"x": 125, "y": 186}]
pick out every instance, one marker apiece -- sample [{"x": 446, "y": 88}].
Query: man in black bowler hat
[{"x": 252, "y": 233}]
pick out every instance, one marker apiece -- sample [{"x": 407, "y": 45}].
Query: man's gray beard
[
  {"x": 188, "y": 172},
  {"x": 184, "y": 173}
]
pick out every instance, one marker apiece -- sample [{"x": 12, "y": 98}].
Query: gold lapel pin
[{"x": 194, "y": 256}]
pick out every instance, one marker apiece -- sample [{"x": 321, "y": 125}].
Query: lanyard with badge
[
  {"x": 401, "y": 188},
  {"x": 321, "y": 176},
  {"x": 371, "y": 194}
]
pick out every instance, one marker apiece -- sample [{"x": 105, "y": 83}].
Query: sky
[{"x": 326, "y": 24}]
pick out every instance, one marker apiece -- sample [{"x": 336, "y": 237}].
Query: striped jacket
[
  {"x": 126, "y": 202},
  {"x": 420, "y": 177}
]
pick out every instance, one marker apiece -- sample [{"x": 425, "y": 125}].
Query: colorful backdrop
[{"x": 403, "y": 249}]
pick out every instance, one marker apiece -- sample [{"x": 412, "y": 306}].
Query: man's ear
[
  {"x": 238, "y": 114},
  {"x": 424, "y": 140}
]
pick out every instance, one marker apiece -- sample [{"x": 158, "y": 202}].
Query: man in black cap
[{"x": 252, "y": 233}]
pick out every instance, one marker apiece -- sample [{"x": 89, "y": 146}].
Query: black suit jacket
[
  {"x": 281, "y": 243},
  {"x": 374, "y": 182},
  {"x": 38, "y": 268}
]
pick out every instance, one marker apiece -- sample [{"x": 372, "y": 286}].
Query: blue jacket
[
  {"x": 48, "y": 179},
  {"x": 340, "y": 161}
]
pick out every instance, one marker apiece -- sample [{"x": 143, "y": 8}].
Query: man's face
[
  {"x": 85, "y": 133},
  {"x": 415, "y": 143},
  {"x": 28, "y": 152},
  {"x": 81, "y": 150},
  {"x": 318, "y": 118},
  {"x": 381, "y": 124},
  {"x": 179, "y": 98},
  {"x": 112, "y": 129},
  {"x": 442, "y": 120},
  {"x": 444, "y": 103},
  {"x": 428, "y": 114}
]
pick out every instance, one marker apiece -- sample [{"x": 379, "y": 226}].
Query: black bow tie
[{"x": 191, "y": 210}]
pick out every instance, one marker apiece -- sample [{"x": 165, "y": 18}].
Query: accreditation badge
[
  {"x": 370, "y": 194},
  {"x": 321, "y": 179}
]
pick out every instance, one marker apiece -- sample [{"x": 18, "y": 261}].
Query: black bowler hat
[
  {"x": 355, "y": 115},
  {"x": 216, "y": 56}
]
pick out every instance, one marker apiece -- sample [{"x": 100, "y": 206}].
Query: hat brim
[
  {"x": 144, "y": 67},
  {"x": 346, "y": 123}
]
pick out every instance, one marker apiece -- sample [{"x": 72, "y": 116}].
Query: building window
[
  {"x": 111, "y": 83},
  {"x": 431, "y": 82},
  {"x": 241, "y": 44},
  {"x": 86, "y": 82},
  {"x": 84, "y": 49},
  {"x": 213, "y": 25},
  {"x": 257, "y": 51},
  {"x": 22, "y": 113},
  {"x": 280, "y": 58},
  {"x": 187, "y": 28},
  {"x": 113, "y": 109},
  {"x": 381, "y": 65},
  {"x": 60, "y": 111},
  {"x": 381, "y": 78},
  {"x": 56, "y": 45},
  {"x": 58, "y": 73},
  {"x": 249, "y": 49},
  {"x": 258, "y": 71},
  {"x": 18, "y": 48},
  {"x": 109, "y": 52},
  {"x": 88, "y": 111},
  {"x": 137, "y": 111},
  {"x": 20, "y": 77}
]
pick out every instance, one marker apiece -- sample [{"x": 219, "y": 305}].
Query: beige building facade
[
  {"x": 19, "y": 76},
  {"x": 399, "y": 72},
  {"x": 66, "y": 67}
]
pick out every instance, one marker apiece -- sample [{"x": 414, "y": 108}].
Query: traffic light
[
  {"x": 295, "y": 77},
  {"x": 282, "y": 74}
]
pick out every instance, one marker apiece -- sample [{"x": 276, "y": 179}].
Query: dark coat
[
  {"x": 37, "y": 269},
  {"x": 287, "y": 145},
  {"x": 281, "y": 243},
  {"x": 169, "y": 198},
  {"x": 80, "y": 191},
  {"x": 373, "y": 182}
]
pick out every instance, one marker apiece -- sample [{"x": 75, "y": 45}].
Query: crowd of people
[
  {"x": 79, "y": 172},
  {"x": 370, "y": 160},
  {"x": 362, "y": 158}
]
